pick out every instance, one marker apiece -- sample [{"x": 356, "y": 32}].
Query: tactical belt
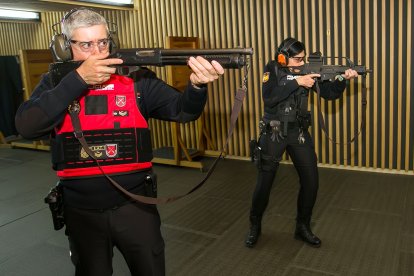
[
  {"x": 288, "y": 125},
  {"x": 74, "y": 114}
]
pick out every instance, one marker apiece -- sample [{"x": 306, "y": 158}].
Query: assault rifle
[
  {"x": 317, "y": 65},
  {"x": 134, "y": 58}
]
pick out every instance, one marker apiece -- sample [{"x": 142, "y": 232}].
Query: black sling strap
[
  {"x": 363, "y": 113},
  {"x": 74, "y": 110}
]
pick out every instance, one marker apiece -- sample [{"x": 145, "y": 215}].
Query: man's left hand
[
  {"x": 350, "y": 74},
  {"x": 204, "y": 71}
]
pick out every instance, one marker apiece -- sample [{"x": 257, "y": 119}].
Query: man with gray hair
[{"x": 113, "y": 111}]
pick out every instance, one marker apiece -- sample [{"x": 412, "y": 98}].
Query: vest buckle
[{"x": 74, "y": 107}]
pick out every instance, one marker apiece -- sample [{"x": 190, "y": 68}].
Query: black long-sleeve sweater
[
  {"x": 281, "y": 84},
  {"x": 47, "y": 107}
]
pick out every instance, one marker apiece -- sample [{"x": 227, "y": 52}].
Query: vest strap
[{"x": 74, "y": 114}]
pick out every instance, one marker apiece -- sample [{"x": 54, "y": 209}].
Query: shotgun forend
[{"x": 234, "y": 58}]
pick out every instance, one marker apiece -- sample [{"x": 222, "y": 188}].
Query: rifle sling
[
  {"x": 363, "y": 113},
  {"x": 240, "y": 95}
]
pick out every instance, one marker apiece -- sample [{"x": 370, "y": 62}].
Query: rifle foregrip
[
  {"x": 234, "y": 61},
  {"x": 228, "y": 58},
  {"x": 327, "y": 72},
  {"x": 361, "y": 70},
  {"x": 227, "y": 61}
]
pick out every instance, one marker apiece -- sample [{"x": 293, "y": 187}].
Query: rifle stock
[
  {"x": 234, "y": 58},
  {"x": 317, "y": 65}
]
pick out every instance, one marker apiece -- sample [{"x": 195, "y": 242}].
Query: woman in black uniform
[{"x": 285, "y": 127}]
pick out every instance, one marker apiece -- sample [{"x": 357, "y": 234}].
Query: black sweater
[
  {"x": 282, "y": 84},
  {"x": 47, "y": 106}
]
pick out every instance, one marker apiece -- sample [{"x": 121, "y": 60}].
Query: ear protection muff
[
  {"x": 282, "y": 59},
  {"x": 60, "y": 44},
  {"x": 283, "y": 52}
]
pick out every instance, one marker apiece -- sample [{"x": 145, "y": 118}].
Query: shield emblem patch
[
  {"x": 266, "y": 77},
  {"x": 111, "y": 150},
  {"x": 120, "y": 100}
]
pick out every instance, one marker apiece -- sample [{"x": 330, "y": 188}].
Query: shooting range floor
[{"x": 365, "y": 221}]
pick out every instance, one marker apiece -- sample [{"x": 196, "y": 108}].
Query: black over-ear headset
[
  {"x": 60, "y": 44},
  {"x": 283, "y": 51}
]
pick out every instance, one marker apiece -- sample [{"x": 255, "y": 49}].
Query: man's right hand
[
  {"x": 96, "y": 68},
  {"x": 307, "y": 81}
]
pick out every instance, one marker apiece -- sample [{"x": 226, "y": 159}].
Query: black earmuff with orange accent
[
  {"x": 283, "y": 51},
  {"x": 60, "y": 44}
]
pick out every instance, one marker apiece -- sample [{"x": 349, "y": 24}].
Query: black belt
[{"x": 290, "y": 125}]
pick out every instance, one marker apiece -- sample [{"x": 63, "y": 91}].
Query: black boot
[
  {"x": 255, "y": 231},
  {"x": 304, "y": 233}
]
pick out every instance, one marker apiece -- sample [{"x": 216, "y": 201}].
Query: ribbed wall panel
[{"x": 377, "y": 34}]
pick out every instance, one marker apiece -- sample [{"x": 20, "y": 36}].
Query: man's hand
[
  {"x": 307, "y": 81},
  {"x": 350, "y": 74},
  {"x": 95, "y": 69},
  {"x": 204, "y": 71}
]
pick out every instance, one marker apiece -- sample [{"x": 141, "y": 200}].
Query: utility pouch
[
  {"x": 151, "y": 185},
  {"x": 275, "y": 127},
  {"x": 55, "y": 200},
  {"x": 305, "y": 120}
]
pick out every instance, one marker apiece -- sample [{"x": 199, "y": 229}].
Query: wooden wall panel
[
  {"x": 33, "y": 64},
  {"x": 377, "y": 34}
]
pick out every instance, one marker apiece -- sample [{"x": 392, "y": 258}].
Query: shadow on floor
[{"x": 365, "y": 220}]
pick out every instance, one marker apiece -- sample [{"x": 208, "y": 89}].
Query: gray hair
[{"x": 81, "y": 18}]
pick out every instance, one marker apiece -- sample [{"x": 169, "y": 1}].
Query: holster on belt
[
  {"x": 255, "y": 153},
  {"x": 151, "y": 185},
  {"x": 55, "y": 200}
]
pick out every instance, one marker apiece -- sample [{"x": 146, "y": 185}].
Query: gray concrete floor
[{"x": 365, "y": 220}]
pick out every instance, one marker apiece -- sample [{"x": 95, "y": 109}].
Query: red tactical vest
[{"x": 114, "y": 129}]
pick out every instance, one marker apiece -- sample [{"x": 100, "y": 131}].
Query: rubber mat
[
  {"x": 303, "y": 271},
  {"x": 208, "y": 215},
  {"x": 228, "y": 255},
  {"x": 365, "y": 221},
  {"x": 183, "y": 247},
  {"x": 406, "y": 264},
  {"x": 354, "y": 243},
  {"x": 376, "y": 196}
]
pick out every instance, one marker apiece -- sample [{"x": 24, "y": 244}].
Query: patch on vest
[
  {"x": 120, "y": 113},
  {"x": 120, "y": 101},
  {"x": 291, "y": 77},
  {"x": 100, "y": 87},
  {"x": 100, "y": 151},
  {"x": 266, "y": 77}
]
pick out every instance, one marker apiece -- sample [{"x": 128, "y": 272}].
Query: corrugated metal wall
[{"x": 377, "y": 34}]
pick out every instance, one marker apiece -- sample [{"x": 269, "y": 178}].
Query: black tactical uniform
[
  {"x": 97, "y": 216},
  {"x": 285, "y": 127}
]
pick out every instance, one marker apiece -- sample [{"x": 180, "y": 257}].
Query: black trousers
[
  {"x": 304, "y": 159},
  {"x": 133, "y": 228}
]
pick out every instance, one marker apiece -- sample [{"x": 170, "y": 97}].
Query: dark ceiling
[{"x": 38, "y": 5}]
